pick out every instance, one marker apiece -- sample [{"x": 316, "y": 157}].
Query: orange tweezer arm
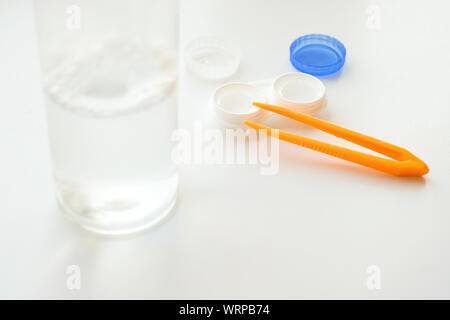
[{"x": 404, "y": 163}]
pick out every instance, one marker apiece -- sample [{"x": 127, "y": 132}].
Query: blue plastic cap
[{"x": 317, "y": 54}]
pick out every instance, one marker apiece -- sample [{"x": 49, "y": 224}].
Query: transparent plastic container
[
  {"x": 212, "y": 58},
  {"x": 109, "y": 78}
]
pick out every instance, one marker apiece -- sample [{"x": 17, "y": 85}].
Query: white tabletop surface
[{"x": 310, "y": 231}]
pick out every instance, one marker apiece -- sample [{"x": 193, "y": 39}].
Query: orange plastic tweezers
[{"x": 404, "y": 163}]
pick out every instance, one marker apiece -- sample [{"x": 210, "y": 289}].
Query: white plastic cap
[
  {"x": 232, "y": 103},
  {"x": 300, "y": 92}
]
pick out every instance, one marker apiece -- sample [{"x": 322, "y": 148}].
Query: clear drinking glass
[{"x": 109, "y": 72}]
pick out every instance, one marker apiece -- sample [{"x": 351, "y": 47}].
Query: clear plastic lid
[{"x": 212, "y": 58}]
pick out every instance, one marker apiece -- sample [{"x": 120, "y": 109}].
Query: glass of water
[{"x": 109, "y": 73}]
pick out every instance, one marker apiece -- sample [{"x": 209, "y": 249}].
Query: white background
[{"x": 310, "y": 231}]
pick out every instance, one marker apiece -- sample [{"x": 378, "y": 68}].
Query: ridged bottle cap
[{"x": 317, "y": 54}]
